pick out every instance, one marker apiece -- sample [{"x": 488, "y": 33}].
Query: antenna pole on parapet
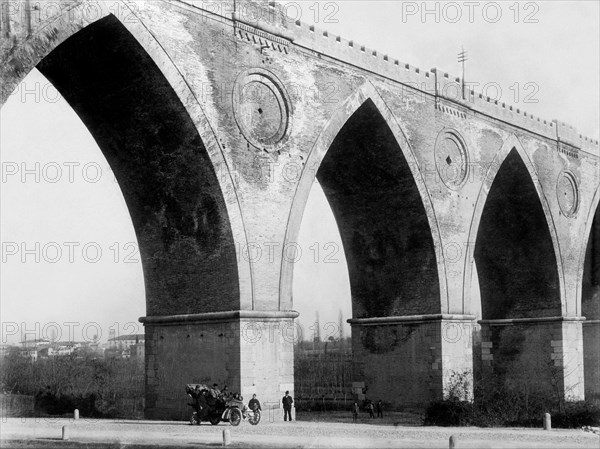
[
  {"x": 28, "y": 16},
  {"x": 463, "y": 56},
  {"x": 4, "y": 12}
]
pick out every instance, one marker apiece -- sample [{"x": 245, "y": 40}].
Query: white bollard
[
  {"x": 226, "y": 437},
  {"x": 65, "y": 433},
  {"x": 452, "y": 442},
  {"x": 547, "y": 421},
  {"x": 76, "y": 414}
]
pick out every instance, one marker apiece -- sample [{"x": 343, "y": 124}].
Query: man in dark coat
[
  {"x": 371, "y": 409},
  {"x": 287, "y": 402},
  {"x": 254, "y": 404},
  {"x": 199, "y": 403},
  {"x": 379, "y": 409}
]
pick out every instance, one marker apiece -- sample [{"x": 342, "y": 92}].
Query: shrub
[
  {"x": 577, "y": 414},
  {"x": 509, "y": 411},
  {"x": 97, "y": 387},
  {"x": 449, "y": 413}
]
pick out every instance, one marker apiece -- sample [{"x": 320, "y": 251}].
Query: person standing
[
  {"x": 355, "y": 412},
  {"x": 380, "y": 409},
  {"x": 194, "y": 395},
  {"x": 287, "y": 402},
  {"x": 199, "y": 403},
  {"x": 371, "y": 409}
]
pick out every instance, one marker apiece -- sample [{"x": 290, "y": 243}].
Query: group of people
[
  {"x": 202, "y": 401},
  {"x": 221, "y": 395},
  {"x": 371, "y": 408},
  {"x": 214, "y": 394}
]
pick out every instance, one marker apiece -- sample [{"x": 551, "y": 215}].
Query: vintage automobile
[{"x": 214, "y": 410}]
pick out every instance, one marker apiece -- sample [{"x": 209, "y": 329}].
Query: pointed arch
[
  {"x": 56, "y": 31},
  {"x": 511, "y": 147},
  {"x": 367, "y": 94},
  {"x": 587, "y": 235}
]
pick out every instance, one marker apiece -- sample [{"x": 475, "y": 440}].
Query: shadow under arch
[
  {"x": 153, "y": 133},
  {"x": 585, "y": 244},
  {"x": 588, "y": 299},
  {"x": 511, "y": 144},
  {"x": 368, "y": 104}
]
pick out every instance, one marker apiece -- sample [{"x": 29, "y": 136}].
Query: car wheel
[{"x": 235, "y": 417}]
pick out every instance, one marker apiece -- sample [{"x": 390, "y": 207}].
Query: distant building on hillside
[
  {"x": 125, "y": 341},
  {"x": 35, "y": 343},
  {"x": 30, "y": 348},
  {"x": 44, "y": 348},
  {"x": 126, "y": 346}
]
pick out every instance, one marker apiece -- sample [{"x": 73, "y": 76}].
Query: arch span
[
  {"x": 513, "y": 249},
  {"x": 586, "y": 252},
  {"x": 368, "y": 254},
  {"x": 521, "y": 301},
  {"x": 512, "y": 146},
  {"x": 173, "y": 138},
  {"x": 589, "y": 293}
]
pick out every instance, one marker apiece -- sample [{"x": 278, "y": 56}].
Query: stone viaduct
[{"x": 217, "y": 119}]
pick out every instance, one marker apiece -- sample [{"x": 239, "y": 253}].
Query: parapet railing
[{"x": 436, "y": 83}]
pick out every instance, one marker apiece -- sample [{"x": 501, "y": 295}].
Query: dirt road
[{"x": 33, "y": 433}]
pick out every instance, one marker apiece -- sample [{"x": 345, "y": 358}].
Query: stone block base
[
  {"x": 541, "y": 356},
  {"x": 412, "y": 360},
  {"x": 249, "y": 351},
  {"x": 591, "y": 360}
]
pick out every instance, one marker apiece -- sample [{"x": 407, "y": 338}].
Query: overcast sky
[{"x": 543, "y": 55}]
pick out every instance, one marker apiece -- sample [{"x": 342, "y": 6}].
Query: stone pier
[
  {"x": 412, "y": 360},
  {"x": 539, "y": 356}
]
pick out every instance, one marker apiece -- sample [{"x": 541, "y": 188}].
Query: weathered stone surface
[
  {"x": 542, "y": 357},
  {"x": 216, "y": 172}
]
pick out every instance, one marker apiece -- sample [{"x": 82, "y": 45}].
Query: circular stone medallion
[
  {"x": 451, "y": 158},
  {"x": 261, "y": 108},
  {"x": 568, "y": 193}
]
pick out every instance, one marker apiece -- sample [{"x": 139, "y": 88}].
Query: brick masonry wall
[
  {"x": 411, "y": 364},
  {"x": 542, "y": 358},
  {"x": 188, "y": 353},
  {"x": 399, "y": 364},
  {"x": 382, "y": 221},
  {"x": 161, "y": 163}
]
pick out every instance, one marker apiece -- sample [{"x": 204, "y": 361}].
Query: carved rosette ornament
[
  {"x": 567, "y": 192},
  {"x": 261, "y": 108},
  {"x": 451, "y": 158}
]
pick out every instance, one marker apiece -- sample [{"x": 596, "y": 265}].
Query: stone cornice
[
  {"x": 231, "y": 315},
  {"x": 542, "y": 320},
  {"x": 392, "y": 320}
]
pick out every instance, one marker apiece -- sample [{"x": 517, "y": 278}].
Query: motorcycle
[{"x": 253, "y": 416}]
